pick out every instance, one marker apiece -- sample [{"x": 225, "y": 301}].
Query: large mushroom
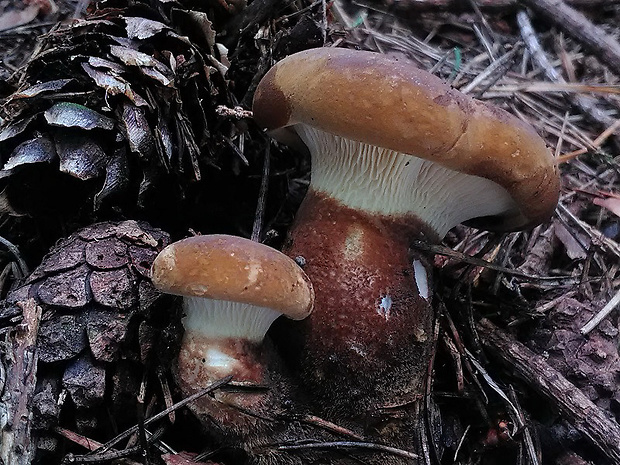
[
  {"x": 397, "y": 156},
  {"x": 233, "y": 289}
]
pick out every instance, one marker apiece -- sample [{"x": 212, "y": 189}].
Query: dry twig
[
  {"x": 600, "y": 316},
  {"x": 572, "y": 404},
  {"x": 581, "y": 28},
  {"x": 455, "y": 5},
  {"x": 134, "y": 429},
  {"x": 448, "y": 252},
  {"x": 350, "y": 445},
  {"x": 533, "y": 45}
]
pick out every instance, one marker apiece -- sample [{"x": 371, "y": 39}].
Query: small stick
[
  {"x": 600, "y": 316},
  {"x": 527, "y": 436},
  {"x": 257, "y": 228},
  {"x": 593, "y": 233},
  {"x": 558, "y": 145},
  {"x": 501, "y": 62},
  {"x": 602, "y": 44},
  {"x": 329, "y": 426},
  {"x": 571, "y": 403},
  {"x": 212, "y": 387},
  {"x": 596, "y": 143},
  {"x": 448, "y": 252},
  {"x": 533, "y": 45},
  {"x": 484, "y": 41},
  {"x": 456, "y": 359},
  {"x": 12, "y": 248},
  {"x": 461, "y": 442},
  {"x": 459, "y": 5},
  {"x": 426, "y": 433},
  {"x": 351, "y": 445},
  {"x": 141, "y": 428},
  {"x": 76, "y": 438},
  {"x": 485, "y": 23},
  {"x": 113, "y": 454},
  {"x": 165, "y": 389}
]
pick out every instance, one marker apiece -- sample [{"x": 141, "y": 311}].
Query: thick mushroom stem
[
  {"x": 225, "y": 338},
  {"x": 370, "y": 338},
  {"x": 371, "y": 331}
]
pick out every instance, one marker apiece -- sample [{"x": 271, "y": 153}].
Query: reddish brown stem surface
[
  {"x": 194, "y": 370},
  {"x": 369, "y": 339}
]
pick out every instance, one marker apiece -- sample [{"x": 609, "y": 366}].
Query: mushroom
[
  {"x": 233, "y": 289},
  {"x": 397, "y": 156}
]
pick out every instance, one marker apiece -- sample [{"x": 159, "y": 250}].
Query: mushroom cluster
[{"x": 397, "y": 156}]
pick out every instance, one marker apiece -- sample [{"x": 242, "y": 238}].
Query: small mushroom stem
[
  {"x": 212, "y": 347},
  {"x": 369, "y": 339},
  {"x": 202, "y": 360},
  {"x": 226, "y": 338}
]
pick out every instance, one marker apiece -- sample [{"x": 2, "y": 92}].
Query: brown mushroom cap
[
  {"x": 234, "y": 269},
  {"x": 390, "y": 103}
]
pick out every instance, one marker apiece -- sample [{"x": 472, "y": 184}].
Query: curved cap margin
[
  {"x": 391, "y": 103},
  {"x": 235, "y": 269}
]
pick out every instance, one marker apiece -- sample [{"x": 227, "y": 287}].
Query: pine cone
[
  {"x": 103, "y": 324},
  {"x": 120, "y": 114},
  {"x": 115, "y": 111}
]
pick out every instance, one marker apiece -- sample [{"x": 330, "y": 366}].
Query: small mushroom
[
  {"x": 233, "y": 289},
  {"x": 397, "y": 156}
]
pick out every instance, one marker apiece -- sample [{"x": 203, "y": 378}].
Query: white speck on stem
[
  {"x": 421, "y": 278},
  {"x": 385, "y": 306},
  {"x": 219, "y": 360}
]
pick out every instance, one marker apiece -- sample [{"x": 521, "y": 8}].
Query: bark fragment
[{"x": 19, "y": 359}]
